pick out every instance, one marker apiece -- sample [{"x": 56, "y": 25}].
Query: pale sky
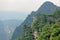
[
  {"x": 23, "y": 5},
  {"x": 21, "y": 8}
]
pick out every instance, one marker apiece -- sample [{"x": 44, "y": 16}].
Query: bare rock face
[{"x": 35, "y": 34}]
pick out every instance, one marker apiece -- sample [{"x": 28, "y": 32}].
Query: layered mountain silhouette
[
  {"x": 7, "y": 27},
  {"x": 2, "y": 32},
  {"x": 46, "y": 8}
]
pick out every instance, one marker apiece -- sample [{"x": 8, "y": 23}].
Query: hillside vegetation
[
  {"x": 42, "y": 24},
  {"x": 43, "y": 27}
]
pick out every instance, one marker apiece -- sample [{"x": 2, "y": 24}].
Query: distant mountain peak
[
  {"x": 47, "y": 7},
  {"x": 47, "y": 2}
]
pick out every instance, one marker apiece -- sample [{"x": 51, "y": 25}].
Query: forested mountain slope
[{"x": 37, "y": 24}]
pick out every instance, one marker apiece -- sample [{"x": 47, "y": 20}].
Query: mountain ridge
[{"x": 47, "y": 7}]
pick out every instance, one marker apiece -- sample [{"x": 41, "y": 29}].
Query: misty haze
[{"x": 29, "y": 19}]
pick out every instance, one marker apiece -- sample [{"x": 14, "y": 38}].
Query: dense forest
[{"x": 43, "y": 27}]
